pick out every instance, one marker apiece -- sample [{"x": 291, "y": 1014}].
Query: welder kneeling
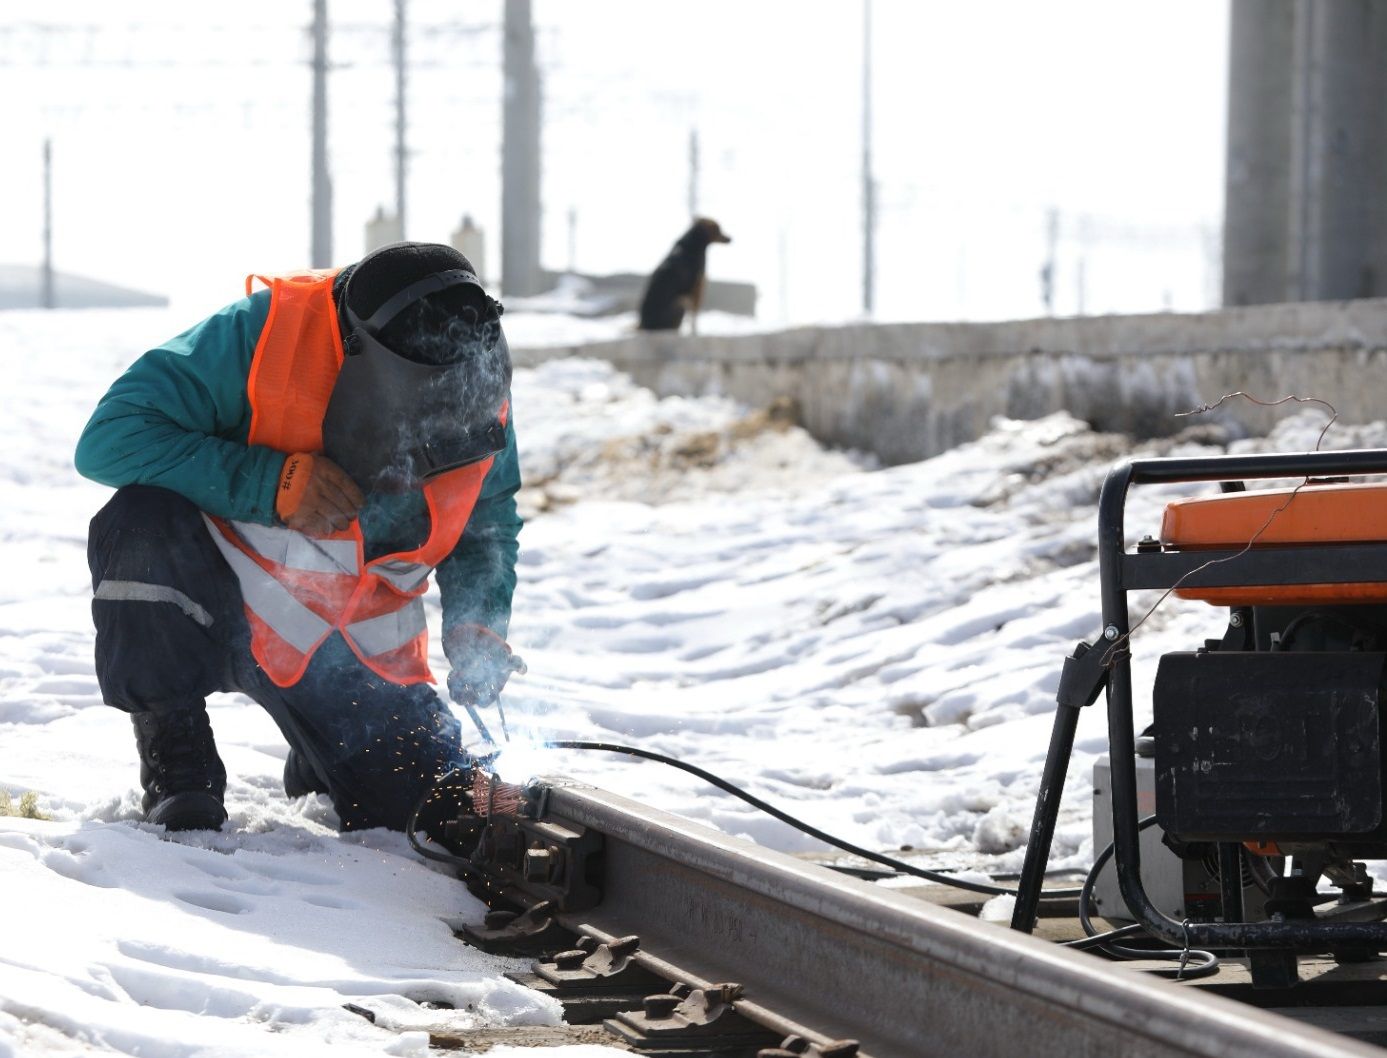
[{"x": 289, "y": 472}]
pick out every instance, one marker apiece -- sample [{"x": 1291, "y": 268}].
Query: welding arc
[{"x": 806, "y": 828}]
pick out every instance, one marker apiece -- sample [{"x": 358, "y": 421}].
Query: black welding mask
[{"x": 395, "y": 421}]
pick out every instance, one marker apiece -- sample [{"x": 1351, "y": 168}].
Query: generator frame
[{"x": 1121, "y": 572}]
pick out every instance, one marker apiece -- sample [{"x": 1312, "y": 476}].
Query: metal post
[
  {"x": 572, "y": 240},
  {"x": 1048, "y": 269},
  {"x": 693, "y": 172},
  {"x": 868, "y": 184},
  {"x": 520, "y": 156},
  {"x": 1047, "y": 808},
  {"x": 320, "y": 248},
  {"x": 400, "y": 152},
  {"x": 47, "y": 297}
]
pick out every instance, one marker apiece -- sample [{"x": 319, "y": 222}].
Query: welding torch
[{"x": 515, "y": 666}]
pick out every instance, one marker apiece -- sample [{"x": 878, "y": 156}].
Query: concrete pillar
[
  {"x": 398, "y": 47},
  {"x": 1257, "y": 179},
  {"x": 320, "y": 237},
  {"x": 520, "y": 156},
  {"x": 1339, "y": 151}
]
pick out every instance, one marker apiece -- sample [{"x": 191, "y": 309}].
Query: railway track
[{"x": 685, "y": 941}]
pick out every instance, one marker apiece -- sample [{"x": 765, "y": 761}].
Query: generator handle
[
  {"x": 1172, "y": 469},
  {"x": 1121, "y": 727}
]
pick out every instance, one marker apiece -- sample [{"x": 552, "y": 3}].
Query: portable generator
[{"x": 1266, "y": 746}]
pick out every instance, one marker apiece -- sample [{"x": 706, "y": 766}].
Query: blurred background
[{"x": 1009, "y": 142}]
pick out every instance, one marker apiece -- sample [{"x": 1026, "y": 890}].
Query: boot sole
[{"x": 194, "y": 810}]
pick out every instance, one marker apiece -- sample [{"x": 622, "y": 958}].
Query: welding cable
[
  {"x": 1100, "y": 939},
  {"x": 465, "y": 866},
  {"x": 939, "y": 877},
  {"x": 1193, "y": 962}
]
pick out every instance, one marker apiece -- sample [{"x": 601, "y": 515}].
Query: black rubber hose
[
  {"x": 465, "y": 866},
  {"x": 1100, "y": 939},
  {"x": 1193, "y": 961},
  {"x": 813, "y": 831}
]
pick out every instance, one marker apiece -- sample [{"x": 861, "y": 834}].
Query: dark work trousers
[{"x": 171, "y": 629}]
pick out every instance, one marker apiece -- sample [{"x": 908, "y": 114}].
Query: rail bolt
[
  {"x": 539, "y": 865},
  {"x": 571, "y": 959},
  {"x": 660, "y": 1007}
]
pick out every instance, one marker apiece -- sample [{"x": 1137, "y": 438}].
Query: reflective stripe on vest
[
  {"x": 405, "y": 576},
  {"x": 285, "y": 547},
  {"x": 389, "y": 631},
  {"x": 292, "y": 621},
  {"x": 295, "y": 623}
]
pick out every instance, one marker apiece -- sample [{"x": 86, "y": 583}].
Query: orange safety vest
[{"x": 299, "y": 589}]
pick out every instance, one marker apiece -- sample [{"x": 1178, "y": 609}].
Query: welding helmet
[{"x": 426, "y": 369}]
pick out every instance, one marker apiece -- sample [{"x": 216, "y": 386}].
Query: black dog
[{"x": 677, "y": 284}]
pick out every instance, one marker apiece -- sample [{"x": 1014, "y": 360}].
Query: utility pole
[
  {"x": 693, "y": 172},
  {"x": 1047, "y": 269},
  {"x": 399, "y": 49},
  {"x": 520, "y": 156},
  {"x": 46, "y": 294},
  {"x": 320, "y": 249},
  {"x": 869, "y": 219},
  {"x": 783, "y": 255},
  {"x": 572, "y": 240}
]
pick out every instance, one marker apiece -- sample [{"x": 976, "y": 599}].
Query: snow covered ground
[{"x": 875, "y": 650}]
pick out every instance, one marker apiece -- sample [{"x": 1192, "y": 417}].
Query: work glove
[
  {"x": 315, "y": 495},
  {"x": 481, "y": 663}
]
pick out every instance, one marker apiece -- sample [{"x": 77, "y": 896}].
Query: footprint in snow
[
  {"x": 249, "y": 886},
  {"x": 67, "y": 665},
  {"x": 214, "y": 864},
  {"x": 599, "y": 621},
  {"x": 78, "y": 868},
  {"x": 223, "y": 903},
  {"x": 641, "y": 644},
  {"x": 337, "y": 903},
  {"x": 286, "y": 873}
]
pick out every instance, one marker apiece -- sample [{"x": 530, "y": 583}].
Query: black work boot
[
  {"x": 300, "y": 777},
  {"x": 183, "y": 778}
]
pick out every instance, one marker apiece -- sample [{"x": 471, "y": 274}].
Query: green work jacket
[{"x": 179, "y": 418}]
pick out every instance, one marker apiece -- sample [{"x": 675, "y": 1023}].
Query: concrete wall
[
  {"x": 907, "y": 391},
  {"x": 622, "y": 292}
]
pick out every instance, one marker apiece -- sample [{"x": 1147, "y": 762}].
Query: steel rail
[{"x": 833, "y": 957}]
